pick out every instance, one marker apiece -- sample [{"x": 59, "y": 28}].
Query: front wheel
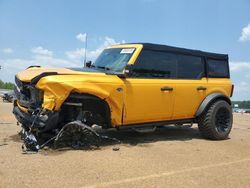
[{"x": 216, "y": 123}]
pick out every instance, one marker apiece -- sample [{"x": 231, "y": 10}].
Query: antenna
[{"x": 85, "y": 50}]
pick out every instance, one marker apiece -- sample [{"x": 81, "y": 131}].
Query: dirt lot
[{"x": 169, "y": 157}]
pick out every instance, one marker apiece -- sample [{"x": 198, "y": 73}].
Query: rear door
[{"x": 191, "y": 85}]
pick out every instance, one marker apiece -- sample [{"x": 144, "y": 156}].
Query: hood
[{"x": 35, "y": 73}]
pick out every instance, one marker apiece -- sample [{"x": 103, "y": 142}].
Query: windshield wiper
[{"x": 102, "y": 67}]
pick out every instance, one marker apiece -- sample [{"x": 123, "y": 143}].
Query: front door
[
  {"x": 148, "y": 100},
  {"x": 149, "y": 91}
]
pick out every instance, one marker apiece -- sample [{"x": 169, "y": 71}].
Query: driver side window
[{"x": 155, "y": 64}]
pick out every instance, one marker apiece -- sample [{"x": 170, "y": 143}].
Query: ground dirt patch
[{"x": 169, "y": 157}]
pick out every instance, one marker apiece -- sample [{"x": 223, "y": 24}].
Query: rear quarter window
[{"x": 217, "y": 68}]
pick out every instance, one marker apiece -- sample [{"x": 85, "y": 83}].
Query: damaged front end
[
  {"x": 43, "y": 120},
  {"x": 28, "y": 108},
  {"x": 29, "y": 112}
]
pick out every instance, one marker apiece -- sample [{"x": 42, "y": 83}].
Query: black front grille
[
  {"x": 17, "y": 93},
  {"x": 22, "y": 99},
  {"x": 22, "y": 93},
  {"x": 23, "y": 87},
  {"x": 27, "y": 95}
]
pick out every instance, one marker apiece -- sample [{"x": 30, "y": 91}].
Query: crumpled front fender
[{"x": 56, "y": 92}]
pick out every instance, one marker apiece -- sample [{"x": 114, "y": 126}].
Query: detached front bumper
[{"x": 39, "y": 120}]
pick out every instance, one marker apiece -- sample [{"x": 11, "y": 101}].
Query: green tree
[
  {"x": 242, "y": 104},
  {"x": 6, "y": 85}
]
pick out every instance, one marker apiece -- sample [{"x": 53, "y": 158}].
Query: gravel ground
[{"x": 168, "y": 157}]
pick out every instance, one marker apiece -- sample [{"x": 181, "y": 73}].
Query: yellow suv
[{"x": 130, "y": 85}]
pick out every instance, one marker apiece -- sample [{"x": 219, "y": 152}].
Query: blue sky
[{"x": 45, "y": 32}]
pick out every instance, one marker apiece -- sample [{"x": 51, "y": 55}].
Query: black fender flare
[{"x": 209, "y": 100}]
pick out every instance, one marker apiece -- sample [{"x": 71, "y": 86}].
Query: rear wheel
[{"x": 216, "y": 123}]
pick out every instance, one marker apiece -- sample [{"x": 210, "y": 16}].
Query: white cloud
[
  {"x": 237, "y": 66},
  {"x": 109, "y": 41},
  {"x": 247, "y": 75},
  {"x": 245, "y": 34},
  {"x": 242, "y": 87},
  {"x": 240, "y": 75},
  {"x": 77, "y": 55},
  {"x": 45, "y": 58},
  {"x": 81, "y": 37},
  {"x": 10, "y": 67},
  {"x": 7, "y": 50},
  {"x": 41, "y": 51}
]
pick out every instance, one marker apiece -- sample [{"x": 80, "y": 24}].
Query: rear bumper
[{"x": 41, "y": 121}]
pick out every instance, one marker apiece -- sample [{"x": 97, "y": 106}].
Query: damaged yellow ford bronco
[{"x": 130, "y": 86}]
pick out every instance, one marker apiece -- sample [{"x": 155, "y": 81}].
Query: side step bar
[{"x": 155, "y": 124}]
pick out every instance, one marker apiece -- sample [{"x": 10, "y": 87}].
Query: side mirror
[
  {"x": 126, "y": 73},
  {"x": 88, "y": 64},
  {"x": 128, "y": 70}
]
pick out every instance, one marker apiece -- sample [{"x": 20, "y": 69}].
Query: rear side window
[
  {"x": 190, "y": 67},
  {"x": 154, "y": 64},
  {"x": 158, "y": 64},
  {"x": 217, "y": 68}
]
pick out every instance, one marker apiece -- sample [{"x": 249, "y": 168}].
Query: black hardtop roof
[{"x": 161, "y": 47}]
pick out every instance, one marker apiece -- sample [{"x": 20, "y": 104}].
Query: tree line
[
  {"x": 6, "y": 85},
  {"x": 242, "y": 104}
]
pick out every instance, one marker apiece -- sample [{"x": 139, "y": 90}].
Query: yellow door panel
[
  {"x": 188, "y": 97},
  {"x": 146, "y": 102}
]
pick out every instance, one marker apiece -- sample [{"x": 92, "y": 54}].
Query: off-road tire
[{"x": 216, "y": 122}]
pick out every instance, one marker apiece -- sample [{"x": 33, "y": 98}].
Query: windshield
[{"x": 114, "y": 59}]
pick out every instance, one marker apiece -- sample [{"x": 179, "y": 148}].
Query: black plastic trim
[
  {"x": 154, "y": 124},
  {"x": 232, "y": 90},
  {"x": 37, "y": 78},
  {"x": 35, "y": 121},
  {"x": 32, "y": 66},
  {"x": 209, "y": 100}
]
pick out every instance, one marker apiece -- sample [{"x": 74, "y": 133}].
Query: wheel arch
[
  {"x": 209, "y": 100},
  {"x": 99, "y": 102}
]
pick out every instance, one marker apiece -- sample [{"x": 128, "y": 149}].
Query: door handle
[
  {"x": 201, "y": 88},
  {"x": 166, "y": 88}
]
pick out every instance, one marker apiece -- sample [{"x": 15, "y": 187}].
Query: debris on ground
[
  {"x": 74, "y": 135},
  {"x": 77, "y": 135},
  {"x": 4, "y": 144},
  {"x": 30, "y": 142},
  {"x": 116, "y": 148}
]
